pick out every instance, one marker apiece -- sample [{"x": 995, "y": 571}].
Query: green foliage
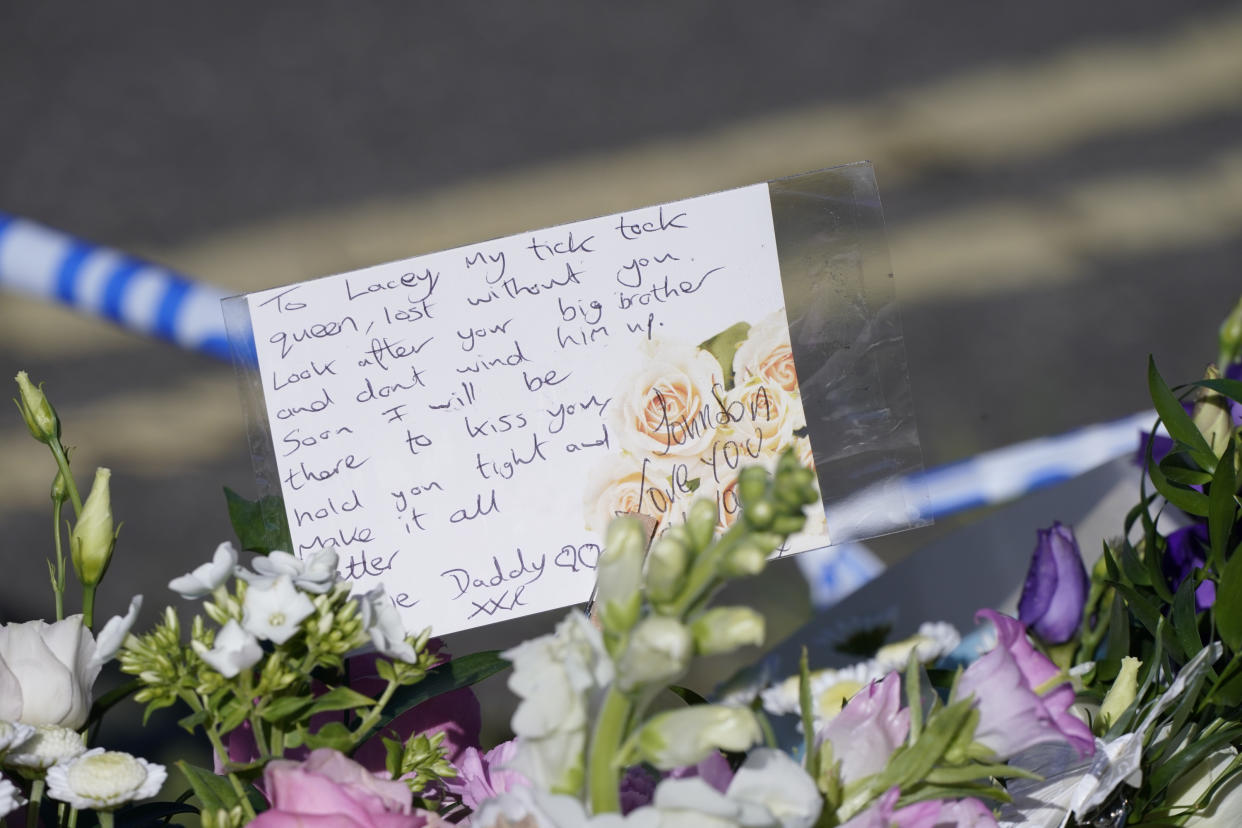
[{"x": 261, "y": 525}]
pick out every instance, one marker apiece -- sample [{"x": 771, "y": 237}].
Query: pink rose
[
  {"x": 1012, "y": 716},
  {"x": 329, "y": 790},
  {"x": 868, "y": 729}
]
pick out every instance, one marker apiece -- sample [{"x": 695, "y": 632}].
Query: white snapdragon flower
[
  {"x": 274, "y": 610},
  {"x": 383, "y": 623},
  {"x": 560, "y": 679},
  {"x": 234, "y": 650},
  {"x": 104, "y": 779},
  {"x": 658, "y": 652},
  {"x": 49, "y": 745},
  {"x": 771, "y": 779},
  {"x": 315, "y": 574},
  {"x": 207, "y": 577},
  {"x": 113, "y": 634},
  {"x": 10, "y": 798},
  {"x": 13, "y": 734},
  {"x": 688, "y": 735}
]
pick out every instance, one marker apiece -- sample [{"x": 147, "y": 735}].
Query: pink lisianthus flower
[
  {"x": 1012, "y": 715},
  {"x": 935, "y": 813},
  {"x": 868, "y": 729},
  {"x": 481, "y": 776},
  {"x": 332, "y": 791}
]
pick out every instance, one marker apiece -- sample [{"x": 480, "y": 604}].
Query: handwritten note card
[{"x": 463, "y": 425}]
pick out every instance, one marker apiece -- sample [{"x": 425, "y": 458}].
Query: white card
[{"x": 462, "y": 425}]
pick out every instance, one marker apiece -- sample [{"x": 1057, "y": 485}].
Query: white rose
[
  {"x": 670, "y": 407},
  {"x": 46, "y": 672},
  {"x": 766, "y": 353},
  {"x": 560, "y": 680}
]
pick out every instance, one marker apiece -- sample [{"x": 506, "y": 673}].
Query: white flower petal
[
  {"x": 104, "y": 779},
  {"x": 49, "y": 745},
  {"x": 112, "y": 636},
  {"x": 206, "y": 577},
  {"x": 13, "y": 734},
  {"x": 10, "y": 798},
  {"x": 274, "y": 611},
  {"x": 234, "y": 650}
]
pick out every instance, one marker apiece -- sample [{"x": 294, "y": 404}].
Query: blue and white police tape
[{"x": 98, "y": 281}]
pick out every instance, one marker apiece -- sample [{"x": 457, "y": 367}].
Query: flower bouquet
[{"x": 1112, "y": 699}]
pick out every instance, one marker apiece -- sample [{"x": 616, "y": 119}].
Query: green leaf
[
  {"x": 1222, "y": 507},
  {"x": 1181, "y": 427},
  {"x": 340, "y": 698},
  {"x": 1132, "y": 566},
  {"x": 261, "y": 525},
  {"x": 1148, "y": 614},
  {"x": 723, "y": 346},
  {"x": 452, "y": 675},
  {"x": 911, "y": 763},
  {"x": 149, "y": 812},
  {"x": 1188, "y": 500},
  {"x": 333, "y": 735},
  {"x": 1228, "y": 609},
  {"x": 1185, "y": 621},
  {"x": 193, "y": 720},
  {"x": 1230, "y": 388},
  {"x": 1176, "y": 471},
  {"x": 687, "y": 695},
  {"x": 1227, "y": 690},
  {"x": 806, "y": 706},
  {"x": 214, "y": 792},
  {"x": 286, "y": 709},
  {"x": 1190, "y": 757},
  {"x": 967, "y": 773},
  {"x": 922, "y": 793},
  {"x": 234, "y": 713}
]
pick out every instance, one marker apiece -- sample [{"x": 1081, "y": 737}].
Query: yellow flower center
[{"x": 832, "y": 700}]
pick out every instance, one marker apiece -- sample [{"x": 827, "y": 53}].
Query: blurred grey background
[{"x": 1062, "y": 183}]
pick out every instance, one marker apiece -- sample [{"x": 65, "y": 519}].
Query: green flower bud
[
  {"x": 701, "y": 522},
  {"x": 1231, "y": 337},
  {"x": 620, "y": 573},
  {"x": 667, "y": 564},
  {"x": 724, "y": 629},
  {"x": 658, "y": 653},
  {"x": 60, "y": 490},
  {"x": 38, "y": 413},
  {"x": 1211, "y": 415},
  {"x": 750, "y": 555},
  {"x": 93, "y": 537},
  {"x": 1121, "y": 695},
  {"x": 689, "y": 735}
]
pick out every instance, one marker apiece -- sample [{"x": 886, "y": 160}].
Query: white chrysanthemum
[
  {"x": 104, "y": 779},
  {"x": 933, "y": 640},
  {"x": 830, "y": 689},
  {"x": 13, "y": 734},
  {"x": 274, "y": 610},
  {"x": 206, "y": 577},
  {"x": 49, "y": 745},
  {"x": 316, "y": 574},
  {"x": 10, "y": 798},
  {"x": 233, "y": 650},
  {"x": 383, "y": 623}
]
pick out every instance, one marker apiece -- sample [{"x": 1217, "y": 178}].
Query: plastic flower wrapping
[{"x": 1113, "y": 698}]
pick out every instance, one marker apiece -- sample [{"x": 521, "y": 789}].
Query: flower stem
[
  {"x": 36, "y": 798},
  {"x": 105, "y": 819},
  {"x": 62, "y": 462},
  {"x": 88, "y": 605},
  {"x": 58, "y": 579},
  {"x": 244, "y": 800},
  {"x": 603, "y": 770},
  {"x": 373, "y": 714}
]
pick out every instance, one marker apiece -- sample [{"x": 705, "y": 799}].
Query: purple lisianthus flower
[
  {"x": 1012, "y": 716},
  {"x": 1056, "y": 586},
  {"x": 481, "y": 776},
  {"x": 868, "y": 729},
  {"x": 1186, "y": 552}
]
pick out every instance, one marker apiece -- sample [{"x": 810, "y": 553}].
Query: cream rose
[
  {"x": 622, "y": 486},
  {"x": 766, "y": 353},
  {"x": 762, "y": 417},
  {"x": 668, "y": 408},
  {"x": 46, "y": 672}
]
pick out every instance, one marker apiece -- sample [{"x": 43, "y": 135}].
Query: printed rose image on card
[{"x": 693, "y": 416}]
